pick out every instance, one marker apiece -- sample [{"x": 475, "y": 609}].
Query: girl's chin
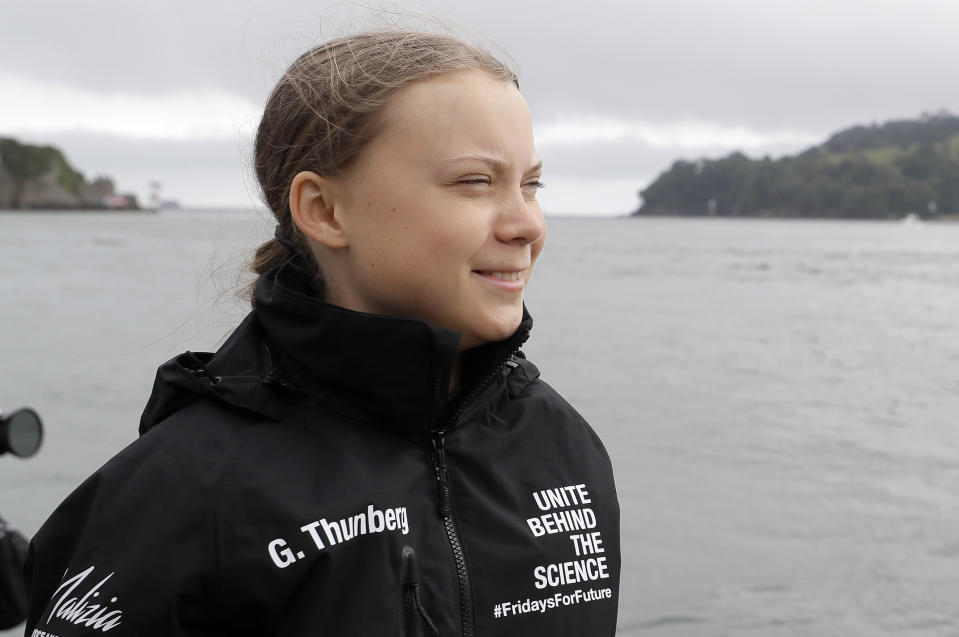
[{"x": 490, "y": 334}]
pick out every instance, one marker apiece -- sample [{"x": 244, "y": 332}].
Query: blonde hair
[{"x": 324, "y": 111}]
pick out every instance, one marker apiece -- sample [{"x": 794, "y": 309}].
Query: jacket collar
[{"x": 393, "y": 370}]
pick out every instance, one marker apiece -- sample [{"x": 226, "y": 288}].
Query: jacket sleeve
[
  {"x": 13, "y": 600},
  {"x": 130, "y": 552}
]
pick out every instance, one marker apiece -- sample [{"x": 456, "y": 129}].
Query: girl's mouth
[{"x": 502, "y": 276}]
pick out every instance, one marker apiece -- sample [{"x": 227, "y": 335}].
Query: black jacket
[{"x": 314, "y": 477}]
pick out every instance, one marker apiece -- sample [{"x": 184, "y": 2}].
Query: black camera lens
[{"x": 21, "y": 433}]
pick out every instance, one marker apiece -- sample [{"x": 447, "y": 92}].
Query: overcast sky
[{"x": 172, "y": 90}]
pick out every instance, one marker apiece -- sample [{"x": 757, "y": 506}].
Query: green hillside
[
  {"x": 34, "y": 177},
  {"x": 23, "y": 162},
  {"x": 882, "y": 171}
]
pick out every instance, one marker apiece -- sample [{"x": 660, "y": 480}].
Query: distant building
[{"x": 102, "y": 187}]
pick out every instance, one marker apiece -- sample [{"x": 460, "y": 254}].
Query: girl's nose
[{"x": 520, "y": 221}]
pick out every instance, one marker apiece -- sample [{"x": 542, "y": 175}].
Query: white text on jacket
[
  {"x": 566, "y": 513},
  {"x": 325, "y": 533}
]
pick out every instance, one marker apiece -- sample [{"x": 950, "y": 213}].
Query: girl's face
[{"x": 440, "y": 209}]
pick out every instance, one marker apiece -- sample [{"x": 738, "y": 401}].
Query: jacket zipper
[
  {"x": 452, "y": 534},
  {"x": 444, "y": 499}
]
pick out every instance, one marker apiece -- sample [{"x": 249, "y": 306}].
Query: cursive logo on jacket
[{"x": 82, "y": 611}]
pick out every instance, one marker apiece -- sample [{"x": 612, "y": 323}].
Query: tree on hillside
[
  {"x": 864, "y": 172},
  {"x": 25, "y": 162}
]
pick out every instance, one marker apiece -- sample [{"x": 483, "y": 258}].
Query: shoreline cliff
[{"x": 40, "y": 178}]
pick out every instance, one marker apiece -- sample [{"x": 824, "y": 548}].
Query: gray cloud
[{"x": 816, "y": 63}]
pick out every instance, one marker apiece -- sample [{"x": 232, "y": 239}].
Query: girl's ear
[{"x": 314, "y": 212}]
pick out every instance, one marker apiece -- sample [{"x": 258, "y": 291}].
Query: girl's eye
[
  {"x": 530, "y": 188},
  {"x": 470, "y": 181}
]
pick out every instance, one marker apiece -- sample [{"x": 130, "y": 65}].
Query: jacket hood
[
  {"x": 391, "y": 370},
  {"x": 240, "y": 374}
]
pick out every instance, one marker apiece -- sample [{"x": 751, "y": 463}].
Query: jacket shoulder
[{"x": 152, "y": 508}]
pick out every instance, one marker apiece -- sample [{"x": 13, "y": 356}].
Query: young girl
[{"x": 369, "y": 453}]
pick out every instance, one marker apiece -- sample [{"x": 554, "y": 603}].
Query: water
[{"x": 779, "y": 397}]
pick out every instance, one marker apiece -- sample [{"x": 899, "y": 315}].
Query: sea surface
[{"x": 780, "y": 398}]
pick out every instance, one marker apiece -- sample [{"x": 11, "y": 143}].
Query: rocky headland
[{"x": 41, "y": 178}]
